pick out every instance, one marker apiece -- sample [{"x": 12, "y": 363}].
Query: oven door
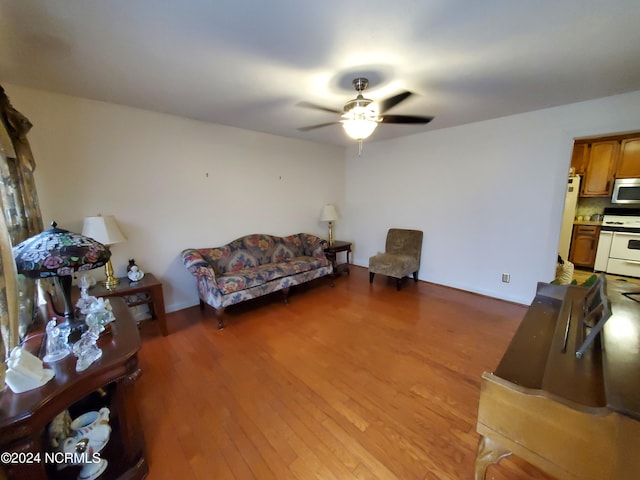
[
  {"x": 602, "y": 253},
  {"x": 624, "y": 256}
]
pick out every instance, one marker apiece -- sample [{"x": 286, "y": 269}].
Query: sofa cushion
[
  {"x": 287, "y": 248},
  {"x": 250, "y": 277},
  {"x": 392, "y": 263},
  {"x": 245, "y": 252},
  {"x": 304, "y": 264},
  {"x": 240, "y": 260}
]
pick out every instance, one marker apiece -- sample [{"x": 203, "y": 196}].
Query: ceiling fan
[{"x": 361, "y": 115}]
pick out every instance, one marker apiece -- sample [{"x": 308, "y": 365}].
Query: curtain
[
  {"x": 8, "y": 299},
  {"x": 21, "y": 219}
]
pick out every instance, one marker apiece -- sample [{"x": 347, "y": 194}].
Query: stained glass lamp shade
[{"x": 58, "y": 253}]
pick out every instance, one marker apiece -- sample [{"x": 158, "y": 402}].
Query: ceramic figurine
[
  {"x": 59, "y": 429},
  {"x": 90, "y": 434},
  {"x": 83, "y": 425},
  {"x": 25, "y": 371},
  {"x": 135, "y": 274}
]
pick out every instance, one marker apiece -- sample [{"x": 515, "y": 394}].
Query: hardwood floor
[{"x": 350, "y": 382}]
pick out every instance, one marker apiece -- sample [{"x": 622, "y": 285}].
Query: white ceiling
[{"x": 248, "y": 63}]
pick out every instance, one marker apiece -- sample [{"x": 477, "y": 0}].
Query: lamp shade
[
  {"x": 57, "y": 252},
  {"x": 329, "y": 213},
  {"x": 104, "y": 229}
]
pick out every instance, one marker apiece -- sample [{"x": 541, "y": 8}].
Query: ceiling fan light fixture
[
  {"x": 360, "y": 121},
  {"x": 360, "y": 116},
  {"x": 359, "y": 129}
]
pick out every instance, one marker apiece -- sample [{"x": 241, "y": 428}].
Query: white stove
[
  {"x": 619, "y": 242},
  {"x": 620, "y": 222}
]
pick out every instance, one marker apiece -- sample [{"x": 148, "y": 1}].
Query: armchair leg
[
  {"x": 415, "y": 277},
  {"x": 399, "y": 280},
  {"x": 371, "y": 275}
]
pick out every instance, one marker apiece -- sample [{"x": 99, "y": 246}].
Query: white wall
[
  {"x": 488, "y": 195},
  {"x": 172, "y": 183}
]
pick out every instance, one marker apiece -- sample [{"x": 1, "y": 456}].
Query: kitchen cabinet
[
  {"x": 598, "y": 181},
  {"x": 584, "y": 245},
  {"x": 580, "y": 158},
  {"x": 629, "y": 159}
]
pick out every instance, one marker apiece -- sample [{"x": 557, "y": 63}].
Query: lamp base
[{"x": 111, "y": 282}]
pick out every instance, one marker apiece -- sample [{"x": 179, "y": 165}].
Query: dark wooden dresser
[{"x": 108, "y": 382}]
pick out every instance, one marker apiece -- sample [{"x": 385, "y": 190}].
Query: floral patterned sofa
[{"x": 255, "y": 265}]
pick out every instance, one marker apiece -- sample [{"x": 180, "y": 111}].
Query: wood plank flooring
[{"x": 352, "y": 382}]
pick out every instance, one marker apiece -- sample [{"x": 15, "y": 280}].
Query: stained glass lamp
[{"x": 58, "y": 253}]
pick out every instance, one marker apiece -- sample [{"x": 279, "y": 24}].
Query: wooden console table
[
  {"x": 149, "y": 285},
  {"x": 108, "y": 382}
]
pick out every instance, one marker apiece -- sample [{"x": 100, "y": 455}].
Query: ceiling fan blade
[
  {"x": 393, "y": 101},
  {"x": 313, "y": 127},
  {"x": 404, "y": 119},
  {"x": 319, "y": 107}
]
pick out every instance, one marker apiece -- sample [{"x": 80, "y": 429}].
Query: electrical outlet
[{"x": 506, "y": 277}]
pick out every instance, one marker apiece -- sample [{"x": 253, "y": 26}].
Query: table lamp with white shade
[
  {"x": 329, "y": 214},
  {"x": 105, "y": 230}
]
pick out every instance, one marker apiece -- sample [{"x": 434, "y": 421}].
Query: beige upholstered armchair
[{"x": 401, "y": 256}]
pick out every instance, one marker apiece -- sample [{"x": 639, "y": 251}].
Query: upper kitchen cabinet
[
  {"x": 629, "y": 160},
  {"x": 601, "y": 168},
  {"x": 580, "y": 158},
  {"x": 600, "y": 160}
]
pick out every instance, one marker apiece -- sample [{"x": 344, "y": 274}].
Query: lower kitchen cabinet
[{"x": 584, "y": 244}]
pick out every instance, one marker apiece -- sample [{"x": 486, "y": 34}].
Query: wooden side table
[
  {"x": 332, "y": 255},
  {"x": 129, "y": 290},
  {"x": 109, "y": 382}
]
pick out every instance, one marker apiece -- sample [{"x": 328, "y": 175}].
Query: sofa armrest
[
  {"x": 199, "y": 267},
  {"x": 314, "y": 246}
]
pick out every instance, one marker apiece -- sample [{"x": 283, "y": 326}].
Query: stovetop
[{"x": 621, "y": 219}]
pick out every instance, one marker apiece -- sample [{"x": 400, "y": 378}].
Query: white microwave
[{"x": 626, "y": 190}]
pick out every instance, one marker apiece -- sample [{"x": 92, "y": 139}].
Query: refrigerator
[{"x": 569, "y": 213}]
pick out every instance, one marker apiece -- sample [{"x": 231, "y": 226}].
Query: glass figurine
[
  {"x": 99, "y": 314},
  {"x": 86, "y": 348},
  {"x": 57, "y": 341},
  {"x": 85, "y": 301}
]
